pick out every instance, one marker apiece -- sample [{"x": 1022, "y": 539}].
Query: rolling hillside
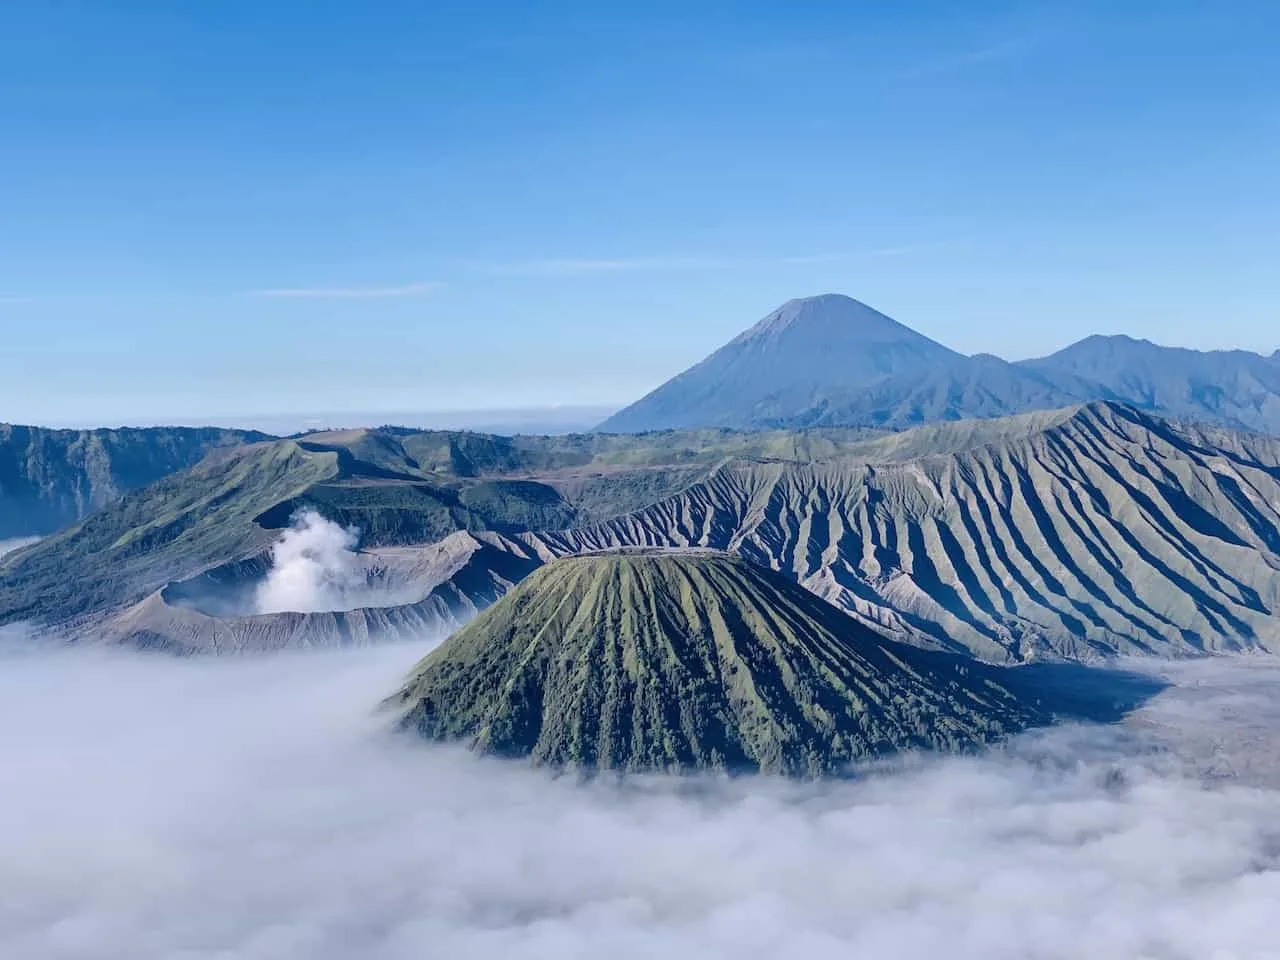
[{"x": 397, "y": 486}]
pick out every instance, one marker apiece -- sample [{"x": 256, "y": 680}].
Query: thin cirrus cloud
[
  {"x": 591, "y": 266},
  {"x": 568, "y": 267},
  {"x": 956, "y": 62},
  {"x": 583, "y": 267},
  {"x": 349, "y": 293}
]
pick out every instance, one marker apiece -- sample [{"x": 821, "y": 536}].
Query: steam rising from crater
[{"x": 314, "y": 567}]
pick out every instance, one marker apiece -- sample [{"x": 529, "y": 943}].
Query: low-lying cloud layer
[
  {"x": 255, "y": 810},
  {"x": 314, "y": 567}
]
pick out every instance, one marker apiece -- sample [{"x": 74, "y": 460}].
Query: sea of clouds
[{"x": 257, "y": 809}]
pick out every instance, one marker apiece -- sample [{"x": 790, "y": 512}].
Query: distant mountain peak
[
  {"x": 1113, "y": 340},
  {"x": 809, "y": 352},
  {"x": 828, "y": 314},
  {"x": 831, "y": 360}
]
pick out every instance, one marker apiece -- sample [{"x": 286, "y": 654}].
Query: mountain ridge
[
  {"x": 810, "y": 365},
  {"x": 50, "y": 478},
  {"x": 1079, "y": 533}
]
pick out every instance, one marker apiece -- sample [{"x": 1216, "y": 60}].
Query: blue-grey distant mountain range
[{"x": 833, "y": 361}]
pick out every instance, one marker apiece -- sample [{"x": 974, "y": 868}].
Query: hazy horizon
[
  {"x": 500, "y": 205},
  {"x": 498, "y": 420}
]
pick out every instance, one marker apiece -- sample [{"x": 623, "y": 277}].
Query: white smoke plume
[
  {"x": 256, "y": 810},
  {"x": 15, "y": 543},
  {"x": 313, "y": 568}
]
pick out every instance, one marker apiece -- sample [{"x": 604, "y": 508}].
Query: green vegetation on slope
[
  {"x": 697, "y": 661},
  {"x": 184, "y": 523},
  {"x": 52, "y": 478},
  {"x": 397, "y": 486},
  {"x": 426, "y": 453},
  {"x": 1076, "y": 533}
]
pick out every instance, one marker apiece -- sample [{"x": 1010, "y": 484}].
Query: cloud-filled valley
[{"x": 257, "y": 808}]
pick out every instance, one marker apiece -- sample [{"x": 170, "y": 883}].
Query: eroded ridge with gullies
[
  {"x": 638, "y": 661},
  {"x": 1076, "y": 533},
  {"x": 1096, "y": 532}
]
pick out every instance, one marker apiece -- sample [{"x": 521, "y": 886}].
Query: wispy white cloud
[
  {"x": 964, "y": 59},
  {"x": 910, "y": 249},
  {"x": 568, "y": 267},
  {"x": 15, "y": 300},
  {"x": 349, "y": 293},
  {"x": 591, "y": 266},
  {"x": 814, "y": 258}
]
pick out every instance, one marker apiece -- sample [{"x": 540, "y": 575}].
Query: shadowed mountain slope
[
  {"x": 966, "y": 387},
  {"x": 695, "y": 661},
  {"x": 52, "y": 478}
]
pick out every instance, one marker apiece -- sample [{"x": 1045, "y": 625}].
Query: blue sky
[{"x": 247, "y": 208}]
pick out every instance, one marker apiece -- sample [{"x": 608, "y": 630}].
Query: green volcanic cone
[{"x": 684, "y": 661}]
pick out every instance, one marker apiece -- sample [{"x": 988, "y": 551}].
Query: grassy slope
[
  {"x": 641, "y": 662},
  {"x": 397, "y": 486},
  {"x": 181, "y": 524},
  {"x": 52, "y": 478}
]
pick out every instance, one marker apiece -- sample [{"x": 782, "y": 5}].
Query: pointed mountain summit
[
  {"x": 685, "y": 661},
  {"x": 803, "y": 354},
  {"x": 831, "y": 361}
]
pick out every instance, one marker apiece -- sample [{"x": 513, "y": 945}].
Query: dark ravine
[{"x": 692, "y": 661}]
